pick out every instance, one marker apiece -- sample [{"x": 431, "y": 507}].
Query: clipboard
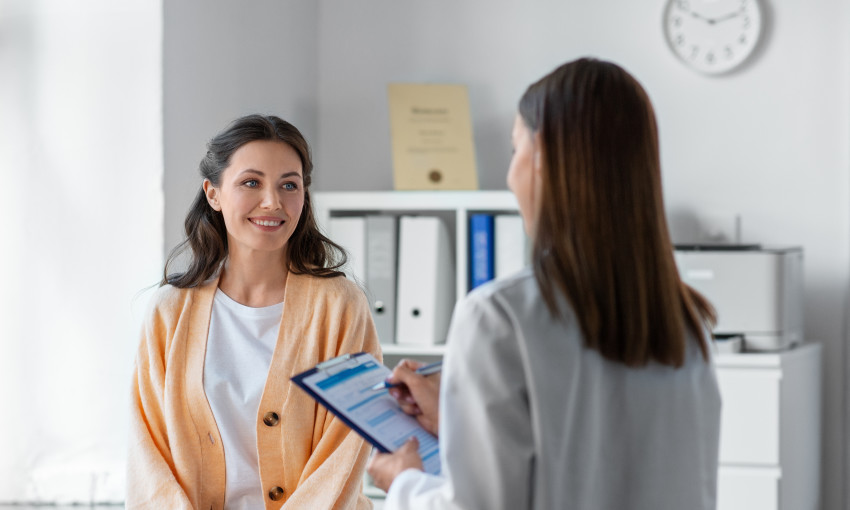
[{"x": 344, "y": 386}]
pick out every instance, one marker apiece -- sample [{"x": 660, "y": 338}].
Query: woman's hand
[
  {"x": 385, "y": 467},
  {"x": 418, "y": 395}
]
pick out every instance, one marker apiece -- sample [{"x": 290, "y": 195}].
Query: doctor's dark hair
[
  {"x": 206, "y": 235},
  {"x": 601, "y": 235}
]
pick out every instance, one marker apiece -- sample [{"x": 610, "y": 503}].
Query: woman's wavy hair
[
  {"x": 601, "y": 236},
  {"x": 309, "y": 251}
]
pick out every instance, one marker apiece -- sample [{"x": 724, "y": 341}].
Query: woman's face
[
  {"x": 524, "y": 173},
  {"x": 260, "y": 196}
]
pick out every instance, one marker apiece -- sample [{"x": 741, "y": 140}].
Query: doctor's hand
[
  {"x": 418, "y": 395},
  {"x": 385, "y": 467}
]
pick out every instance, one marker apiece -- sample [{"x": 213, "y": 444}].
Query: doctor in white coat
[{"x": 584, "y": 382}]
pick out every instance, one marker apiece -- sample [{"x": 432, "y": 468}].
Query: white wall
[
  {"x": 81, "y": 223},
  {"x": 770, "y": 142},
  {"x": 224, "y": 59}
]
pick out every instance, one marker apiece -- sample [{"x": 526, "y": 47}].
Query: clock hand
[
  {"x": 683, "y": 6},
  {"x": 700, "y": 17},
  {"x": 726, "y": 17}
]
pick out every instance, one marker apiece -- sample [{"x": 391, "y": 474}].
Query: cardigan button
[
  {"x": 276, "y": 494},
  {"x": 271, "y": 419}
]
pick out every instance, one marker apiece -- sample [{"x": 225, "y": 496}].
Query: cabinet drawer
[
  {"x": 748, "y": 489},
  {"x": 749, "y": 420}
]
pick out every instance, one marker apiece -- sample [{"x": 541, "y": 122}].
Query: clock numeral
[
  {"x": 746, "y": 22},
  {"x": 709, "y": 57},
  {"x": 684, "y": 5},
  {"x": 727, "y": 52},
  {"x": 680, "y": 40},
  {"x": 694, "y": 51},
  {"x": 677, "y": 21},
  {"x": 743, "y": 39}
]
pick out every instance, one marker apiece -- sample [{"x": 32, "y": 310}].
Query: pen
[{"x": 429, "y": 369}]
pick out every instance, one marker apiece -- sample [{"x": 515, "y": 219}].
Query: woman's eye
[
  {"x": 290, "y": 186},
  {"x": 251, "y": 183}
]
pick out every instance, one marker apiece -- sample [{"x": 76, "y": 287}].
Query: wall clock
[{"x": 712, "y": 36}]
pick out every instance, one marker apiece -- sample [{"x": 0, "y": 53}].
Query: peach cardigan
[{"x": 308, "y": 458}]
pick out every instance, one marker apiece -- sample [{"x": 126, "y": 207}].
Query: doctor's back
[{"x": 532, "y": 418}]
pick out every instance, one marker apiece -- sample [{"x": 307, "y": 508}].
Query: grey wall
[
  {"x": 224, "y": 59},
  {"x": 770, "y": 143}
]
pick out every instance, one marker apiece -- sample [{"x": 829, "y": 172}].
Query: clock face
[{"x": 712, "y": 36}]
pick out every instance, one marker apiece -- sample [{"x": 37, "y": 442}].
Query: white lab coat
[{"x": 531, "y": 419}]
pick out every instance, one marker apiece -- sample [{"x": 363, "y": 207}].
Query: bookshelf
[{"x": 453, "y": 207}]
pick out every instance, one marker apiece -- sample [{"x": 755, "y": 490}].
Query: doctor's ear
[{"x": 212, "y": 195}]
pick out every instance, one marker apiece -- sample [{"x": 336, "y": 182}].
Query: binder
[
  {"x": 350, "y": 233},
  {"x": 481, "y": 249},
  {"x": 381, "y": 248},
  {"x": 426, "y": 281},
  {"x": 511, "y": 244},
  {"x": 344, "y": 386}
]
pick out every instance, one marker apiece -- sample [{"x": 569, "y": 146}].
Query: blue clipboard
[{"x": 344, "y": 385}]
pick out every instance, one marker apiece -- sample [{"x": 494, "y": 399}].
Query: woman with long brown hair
[
  {"x": 215, "y": 422},
  {"x": 586, "y": 380}
]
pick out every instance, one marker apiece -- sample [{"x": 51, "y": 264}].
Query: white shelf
[
  {"x": 413, "y": 350},
  {"x": 336, "y": 201}
]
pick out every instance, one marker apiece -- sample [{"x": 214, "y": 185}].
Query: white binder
[
  {"x": 350, "y": 233},
  {"x": 426, "y": 277},
  {"x": 511, "y": 244},
  {"x": 381, "y": 248}
]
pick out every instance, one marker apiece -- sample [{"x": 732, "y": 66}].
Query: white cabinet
[{"x": 770, "y": 430}]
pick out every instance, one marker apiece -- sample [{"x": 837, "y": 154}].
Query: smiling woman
[{"x": 213, "y": 422}]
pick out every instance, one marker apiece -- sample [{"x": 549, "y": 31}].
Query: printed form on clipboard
[{"x": 344, "y": 386}]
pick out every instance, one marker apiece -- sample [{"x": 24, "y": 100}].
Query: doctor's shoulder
[
  {"x": 508, "y": 292},
  {"x": 502, "y": 300}
]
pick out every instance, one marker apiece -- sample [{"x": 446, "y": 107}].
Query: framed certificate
[{"x": 431, "y": 134}]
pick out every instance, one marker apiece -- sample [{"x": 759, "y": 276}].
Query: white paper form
[{"x": 345, "y": 388}]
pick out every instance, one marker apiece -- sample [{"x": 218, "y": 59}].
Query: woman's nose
[{"x": 271, "y": 200}]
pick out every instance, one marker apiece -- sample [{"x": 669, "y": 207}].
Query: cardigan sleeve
[
  {"x": 151, "y": 480},
  {"x": 333, "y": 475}
]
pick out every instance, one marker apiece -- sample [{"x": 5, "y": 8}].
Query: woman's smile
[{"x": 267, "y": 224}]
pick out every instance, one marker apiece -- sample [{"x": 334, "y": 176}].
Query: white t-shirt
[{"x": 240, "y": 345}]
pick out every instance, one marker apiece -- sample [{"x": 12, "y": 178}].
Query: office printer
[{"x": 757, "y": 292}]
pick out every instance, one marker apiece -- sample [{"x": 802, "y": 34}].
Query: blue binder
[{"x": 481, "y": 250}]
